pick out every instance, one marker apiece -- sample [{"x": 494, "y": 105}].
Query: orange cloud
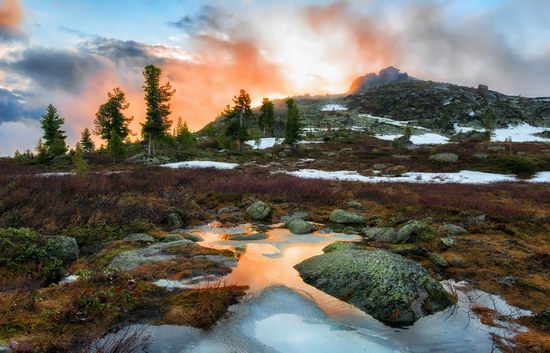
[{"x": 11, "y": 13}]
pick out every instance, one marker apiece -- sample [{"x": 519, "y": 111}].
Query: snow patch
[
  {"x": 264, "y": 143},
  {"x": 425, "y": 139},
  {"x": 201, "y": 164},
  {"x": 518, "y": 133},
  {"x": 333, "y": 108},
  {"x": 462, "y": 177},
  {"x": 392, "y": 122}
]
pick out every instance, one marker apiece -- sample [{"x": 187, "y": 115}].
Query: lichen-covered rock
[
  {"x": 247, "y": 237},
  {"x": 189, "y": 236},
  {"x": 444, "y": 157},
  {"x": 173, "y": 219},
  {"x": 140, "y": 238},
  {"x": 63, "y": 248},
  {"x": 447, "y": 242},
  {"x": 396, "y": 170},
  {"x": 299, "y": 226},
  {"x": 154, "y": 253},
  {"x": 438, "y": 260},
  {"x": 457, "y": 261},
  {"x": 345, "y": 217},
  {"x": 451, "y": 229},
  {"x": 354, "y": 204},
  {"x": 295, "y": 215},
  {"x": 341, "y": 245},
  {"x": 258, "y": 211},
  {"x": 171, "y": 237},
  {"x": 387, "y": 286},
  {"x": 415, "y": 230},
  {"x": 384, "y": 234}
]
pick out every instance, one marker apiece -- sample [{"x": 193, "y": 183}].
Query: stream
[{"x": 281, "y": 313}]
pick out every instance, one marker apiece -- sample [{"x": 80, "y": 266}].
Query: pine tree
[
  {"x": 489, "y": 123},
  {"x": 266, "y": 120},
  {"x": 110, "y": 116},
  {"x": 116, "y": 147},
  {"x": 292, "y": 126},
  {"x": 183, "y": 135},
  {"x": 41, "y": 151},
  {"x": 86, "y": 143},
  {"x": 444, "y": 122},
  {"x": 80, "y": 164},
  {"x": 53, "y": 138},
  {"x": 157, "y": 99},
  {"x": 241, "y": 108},
  {"x": 407, "y": 133}
]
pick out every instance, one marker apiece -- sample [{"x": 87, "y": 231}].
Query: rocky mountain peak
[{"x": 384, "y": 76}]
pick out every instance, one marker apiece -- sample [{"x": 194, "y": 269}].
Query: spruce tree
[
  {"x": 292, "y": 126},
  {"x": 86, "y": 143},
  {"x": 183, "y": 135},
  {"x": 266, "y": 120},
  {"x": 79, "y": 163},
  {"x": 489, "y": 123},
  {"x": 241, "y": 108},
  {"x": 157, "y": 100},
  {"x": 110, "y": 116},
  {"x": 53, "y": 138},
  {"x": 116, "y": 147}
]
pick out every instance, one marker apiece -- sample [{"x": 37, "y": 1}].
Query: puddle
[{"x": 283, "y": 314}]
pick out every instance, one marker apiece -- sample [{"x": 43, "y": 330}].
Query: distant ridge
[{"x": 385, "y": 76}]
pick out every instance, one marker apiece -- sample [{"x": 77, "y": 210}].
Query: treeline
[{"x": 158, "y": 132}]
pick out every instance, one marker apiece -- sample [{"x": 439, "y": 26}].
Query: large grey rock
[
  {"x": 415, "y": 230},
  {"x": 140, "y": 238},
  {"x": 345, "y": 217},
  {"x": 451, "y": 229},
  {"x": 299, "y": 226},
  {"x": 246, "y": 237},
  {"x": 444, "y": 157},
  {"x": 341, "y": 245},
  {"x": 171, "y": 237},
  {"x": 63, "y": 248},
  {"x": 258, "y": 211},
  {"x": 296, "y": 215},
  {"x": 173, "y": 219},
  {"x": 384, "y": 234},
  {"x": 387, "y": 286}
]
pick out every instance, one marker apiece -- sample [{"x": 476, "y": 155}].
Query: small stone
[
  {"x": 354, "y": 204},
  {"x": 140, "y": 238},
  {"x": 173, "y": 219},
  {"x": 228, "y": 209},
  {"x": 451, "y": 229},
  {"x": 447, "y": 242},
  {"x": 438, "y": 260},
  {"x": 171, "y": 237},
  {"x": 457, "y": 261},
  {"x": 444, "y": 157}
]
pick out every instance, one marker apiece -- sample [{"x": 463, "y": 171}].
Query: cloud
[
  {"x": 11, "y": 16},
  {"x": 209, "y": 18},
  {"x": 19, "y": 135},
  {"x": 13, "y": 106},
  {"x": 53, "y": 68}
]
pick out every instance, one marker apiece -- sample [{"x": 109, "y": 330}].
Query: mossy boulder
[
  {"x": 345, "y": 217},
  {"x": 171, "y": 237},
  {"x": 299, "y": 226},
  {"x": 444, "y": 157},
  {"x": 341, "y": 245},
  {"x": 248, "y": 237},
  {"x": 384, "y": 234},
  {"x": 258, "y": 211},
  {"x": 438, "y": 260},
  {"x": 415, "y": 230},
  {"x": 391, "y": 288},
  {"x": 451, "y": 229},
  {"x": 139, "y": 238},
  {"x": 129, "y": 260},
  {"x": 63, "y": 248},
  {"x": 296, "y": 215}
]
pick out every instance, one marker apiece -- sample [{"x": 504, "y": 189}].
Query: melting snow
[
  {"x": 264, "y": 143},
  {"x": 333, "y": 107},
  {"x": 201, "y": 164},
  {"x": 518, "y": 133},
  {"x": 462, "y": 177},
  {"x": 392, "y": 122},
  {"x": 425, "y": 139}
]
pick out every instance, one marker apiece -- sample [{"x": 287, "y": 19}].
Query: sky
[{"x": 71, "y": 53}]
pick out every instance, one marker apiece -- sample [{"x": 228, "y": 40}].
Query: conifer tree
[
  {"x": 489, "y": 123},
  {"x": 53, "y": 138},
  {"x": 80, "y": 164},
  {"x": 110, "y": 116},
  {"x": 266, "y": 120},
  {"x": 183, "y": 135},
  {"x": 157, "y": 100},
  {"x": 116, "y": 147},
  {"x": 86, "y": 143},
  {"x": 292, "y": 126}
]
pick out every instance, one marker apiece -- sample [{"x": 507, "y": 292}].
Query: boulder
[
  {"x": 354, "y": 204},
  {"x": 299, "y": 226},
  {"x": 258, "y": 211},
  {"x": 246, "y": 237},
  {"x": 451, "y": 229},
  {"x": 296, "y": 215},
  {"x": 139, "y": 238},
  {"x": 447, "y": 242},
  {"x": 341, "y": 245},
  {"x": 186, "y": 235},
  {"x": 444, "y": 157},
  {"x": 438, "y": 260},
  {"x": 154, "y": 253},
  {"x": 396, "y": 170},
  {"x": 173, "y": 219},
  {"x": 415, "y": 230},
  {"x": 171, "y": 237},
  {"x": 384, "y": 234},
  {"x": 474, "y": 220},
  {"x": 63, "y": 248},
  {"x": 387, "y": 286},
  {"x": 457, "y": 261},
  {"x": 345, "y": 217}
]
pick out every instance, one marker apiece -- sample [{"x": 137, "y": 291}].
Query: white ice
[
  {"x": 462, "y": 177},
  {"x": 425, "y": 139},
  {"x": 201, "y": 164},
  {"x": 333, "y": 107}
]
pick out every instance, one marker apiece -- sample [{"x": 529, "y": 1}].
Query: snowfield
[
  {"x": 462, "y": 177},
  {"x": 425, "y": 139},
  {"x": 519, "y": 133},
  {"x": 333, "y": 108},
  {"x": 201, "y": 164}
]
